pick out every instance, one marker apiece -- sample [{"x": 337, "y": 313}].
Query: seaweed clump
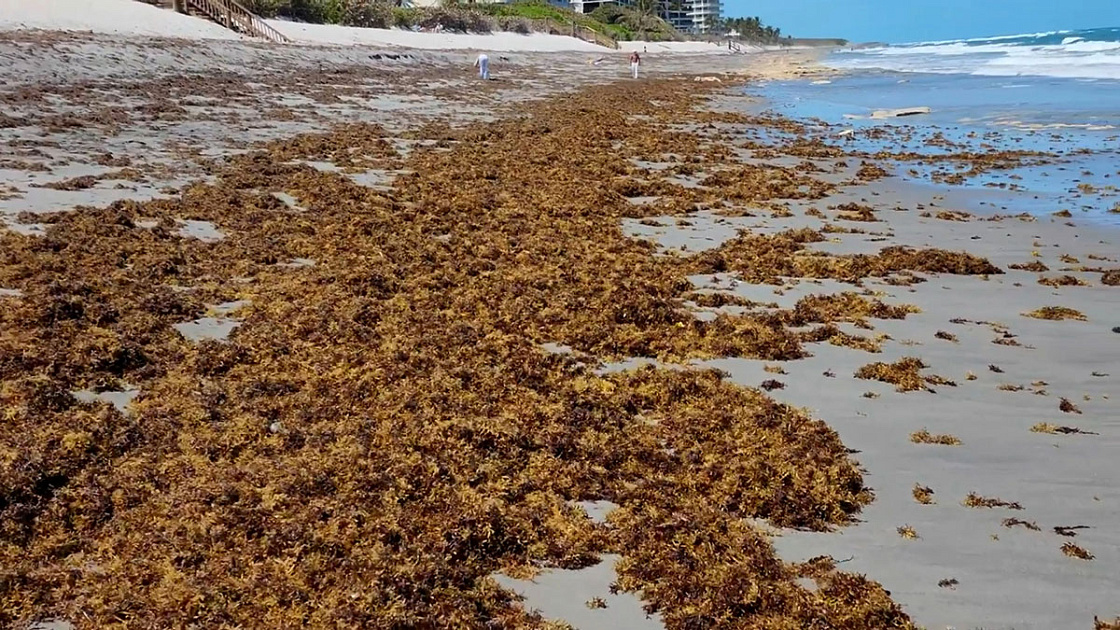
[
  {"x": 1036, "y": 266},
  {"x": 1054, "y": 429},
  {"x": 904, "y": 374},
  {"x": 1063, "y": 281},
  {"x": 1075, "y": 551},
  {"x": 976, "y": 501},
  {"x": 923, "y": 494},
  {"x": 1066, "y": 406},
  {"x": 768, "y": 258},
  {"x": 1056, "y": 313},
  {"x": 925, "y": 437}
]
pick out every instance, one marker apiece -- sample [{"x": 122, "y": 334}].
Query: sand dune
[{"x": 112, "y": 17}]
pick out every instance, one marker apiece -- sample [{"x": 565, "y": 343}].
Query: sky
[{"x": 897, "y": 21}]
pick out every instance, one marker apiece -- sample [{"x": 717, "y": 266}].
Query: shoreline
[{"x": 280, "y": 234}]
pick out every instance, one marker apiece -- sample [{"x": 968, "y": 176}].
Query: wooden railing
[{"x": 230, "y": 14}]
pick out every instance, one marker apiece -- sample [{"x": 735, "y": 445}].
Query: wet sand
[{"x": 96, "y": 138}]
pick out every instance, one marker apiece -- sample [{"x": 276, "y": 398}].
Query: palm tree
[{"x": 647, "y": 10}]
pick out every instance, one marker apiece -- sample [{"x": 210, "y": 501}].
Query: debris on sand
[
  {"x": 976, "y": 501},
  {"x": 855, "y": 212},
  {"x": 1056, "y": 313},
  {"x": 923, "y": 494},
  {"x": 1054, "y": 429},
  {"x": 1063, "y": 281},
  {"x": 949, "y": 583},
  {"x": 74, "y": 184},
  {"x": 760, "y": 258},
  {"x": 925, "y": 437},
  {"x": 900, "y": 113},
  {"x": 1035, "y": 266},
  {"x": 869, "y": 171},
  {"x": 1066, "y": 406},
  {"x": 1069, "y": 531},
  {"x": 904, "y": 374},
  {"x": 908, "y": 532},
  {"x": 1014, "y": 522},
  {"x": 1075, "y": 551},
  {"x": 1111, "y": 278},
  {"x": 947, "y": 336}
]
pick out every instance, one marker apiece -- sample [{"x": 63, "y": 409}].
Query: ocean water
[
  {"x": 1086, "y": 54},
  {"x": 1000, "y": 93}
]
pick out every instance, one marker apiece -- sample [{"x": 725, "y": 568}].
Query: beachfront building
[
  {"x": 587, "y": 6},
  {"x": 678, "y": 14},
  {"x": 686, "y": 16},
  {"x": 704, "y": 14}
]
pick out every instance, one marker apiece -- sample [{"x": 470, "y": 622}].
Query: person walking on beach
[
  {"x": 635, "y": 61},
  {"x": 483, "y": 65}
]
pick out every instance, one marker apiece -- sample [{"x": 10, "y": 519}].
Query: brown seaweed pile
[
  {"x": 1015, "y": 522},
  {"x": 1075, "y": 551},
  {"x": 923, "y": 494},
  {"x": 1062, "y": 281},
  {"x": 976, "y": 501},
  {"x": 768, "y": 258},
  {"x": 925, "y": 437},
  {"x": 1054, "y": 429},
  {"x": 1034, "y": 265},
  {"x": 904, "y": 374},
  {"x": 1056, "y": 313},
  {"x": 1067, "y": 406},
  {"x": 384, "y": 431},
  {"x": 855, "y": 212}
]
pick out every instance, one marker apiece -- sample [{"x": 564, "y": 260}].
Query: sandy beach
[{"x": 335, "y": 334}]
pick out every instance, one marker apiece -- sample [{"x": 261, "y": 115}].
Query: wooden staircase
[{"x": 228, "y": 13}]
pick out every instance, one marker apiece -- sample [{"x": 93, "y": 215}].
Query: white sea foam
[{"x": 1080, "y": 55}]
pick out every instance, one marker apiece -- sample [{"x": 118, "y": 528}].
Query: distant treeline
[
  {"x": 521, "y": 16},
  {"x": 749, "y": 29}
]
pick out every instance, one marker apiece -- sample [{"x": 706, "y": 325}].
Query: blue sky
[{"x": 924, "y": 20}]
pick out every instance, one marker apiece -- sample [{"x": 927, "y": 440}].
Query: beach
[{"x": 336, "y": 334}]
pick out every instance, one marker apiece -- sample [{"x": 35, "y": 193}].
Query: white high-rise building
[
  {"x": 683, "y": 15},
  {"x": 704, "y": 14}
]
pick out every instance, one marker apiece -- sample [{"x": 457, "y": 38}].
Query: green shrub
[
  {"x": 366, "y": 13},
  {"x": 515, "y": 24},
  {"x": 268, "y": 8},
  {"x": 456, "y": 20},
  {"x": 315, "y": 11},
  {"x": 405, "y": 18}
]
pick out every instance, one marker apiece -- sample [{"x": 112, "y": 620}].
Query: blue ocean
[
  {"x": 1087, "y": 54},
  {"x": 1056, "y": 92}
]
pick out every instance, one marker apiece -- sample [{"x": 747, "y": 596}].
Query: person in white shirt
[
  {"x": 635, "y": 62},
  {"x": 483, "y": 65}
]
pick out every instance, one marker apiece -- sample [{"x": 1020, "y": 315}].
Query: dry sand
[
  {"x": 1004, "y": 577},
  {"x": 113, "y": 17}
]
